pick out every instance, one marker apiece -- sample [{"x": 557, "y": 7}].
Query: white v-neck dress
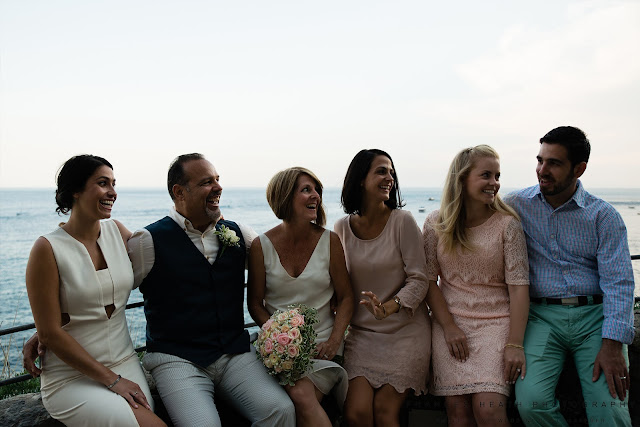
[
  {"x": 313, "y": 288},
  {"x": 69, "y": 395}
]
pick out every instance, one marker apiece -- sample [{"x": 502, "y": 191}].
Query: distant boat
[
  {"x": 421, "y": 209},
  {"x": 431, "y": 198}
]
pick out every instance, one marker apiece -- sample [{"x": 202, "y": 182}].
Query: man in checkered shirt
[{"x": 581, "y": 288}]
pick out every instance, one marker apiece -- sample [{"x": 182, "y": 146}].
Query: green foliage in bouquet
[{"x": 287, "y": 343}]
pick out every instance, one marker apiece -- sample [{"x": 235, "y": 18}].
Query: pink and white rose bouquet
[{"x": 287, "y": 342}]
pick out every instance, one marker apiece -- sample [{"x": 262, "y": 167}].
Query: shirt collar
[
  {"x": 184, "y": 223},
  {"x": 578, "y": 196}
]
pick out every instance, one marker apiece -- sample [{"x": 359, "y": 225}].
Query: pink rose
[
  {"x": 294, "y": 333},
  {"x": 293, "y": 350},
  {"x": 283, "y": 339},
  {"x": 268, "y": 346},
  {"x": 280, "y": 349},
  {"x": 297, "y": 320},
  {"x": 267, "y": 325}
]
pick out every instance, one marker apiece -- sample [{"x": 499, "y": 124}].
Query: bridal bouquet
[{"x": 287, "y": 342}]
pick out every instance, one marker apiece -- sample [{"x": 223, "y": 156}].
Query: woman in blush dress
[
  {"x": 299, "y": 262},
  {"x": 387, "y": 349},
  {"x": 78, "y": 280},
  {"x": 475, "y": 245}
]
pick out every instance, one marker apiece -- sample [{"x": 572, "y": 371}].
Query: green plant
[{"x": 30, "y": 386}]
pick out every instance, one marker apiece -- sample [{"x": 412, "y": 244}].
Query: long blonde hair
[{"x": 450, "y": 225}]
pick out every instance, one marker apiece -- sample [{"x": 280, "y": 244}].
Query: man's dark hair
[
  {"x": 571, "y": 138},
  {"x": 176, "y": 173}
]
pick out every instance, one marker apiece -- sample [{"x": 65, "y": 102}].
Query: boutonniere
[{"x": 227, "y": 238}]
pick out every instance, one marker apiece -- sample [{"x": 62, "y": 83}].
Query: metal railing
[{"x": 29, "y": 326}]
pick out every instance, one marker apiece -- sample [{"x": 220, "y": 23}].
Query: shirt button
[{"x": 553, "y": 236}]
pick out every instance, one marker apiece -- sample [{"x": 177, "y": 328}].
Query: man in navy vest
[{"x": 192, "y": 281}]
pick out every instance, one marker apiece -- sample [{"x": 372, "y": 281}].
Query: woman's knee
[
  {"x": 459, "y": 410},
  {"x": 358, "y": 415},
  {"x": 490, "y": 415},
  {"x": 302, "y": 397},
  {"x": 387, "y": 412}
]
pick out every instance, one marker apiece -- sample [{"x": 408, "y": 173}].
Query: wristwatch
[{"x": 396, "y": 299}]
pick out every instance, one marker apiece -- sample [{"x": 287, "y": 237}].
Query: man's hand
[
  {"x": 611, "y": 362},
  {"x": 30, "y": 352}
]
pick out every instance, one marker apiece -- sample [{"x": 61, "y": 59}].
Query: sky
[{"x": 258, "y": 86}]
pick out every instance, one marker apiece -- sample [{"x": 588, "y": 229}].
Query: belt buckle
[{"x": 570, "y": 301}]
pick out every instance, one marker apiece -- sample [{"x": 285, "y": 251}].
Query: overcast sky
[{"x": 258, "y": 86}]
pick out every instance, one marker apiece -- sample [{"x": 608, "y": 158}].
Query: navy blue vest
[{"x": 194, "y": 309}]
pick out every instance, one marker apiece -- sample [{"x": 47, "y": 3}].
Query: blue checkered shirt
[{"x": 577, "y": 249}]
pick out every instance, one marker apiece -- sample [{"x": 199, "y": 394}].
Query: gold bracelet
[{"x": 513, "y": 346}]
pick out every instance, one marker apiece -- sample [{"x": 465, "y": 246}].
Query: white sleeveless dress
[
  {"x": 68, "y": 395},
  {"x": 313, "y": 288}
]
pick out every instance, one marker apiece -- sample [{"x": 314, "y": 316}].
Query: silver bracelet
[{"x": 110, "y": 386}]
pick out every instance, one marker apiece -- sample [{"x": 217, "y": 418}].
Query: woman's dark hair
[
  {"x": 72, "y": 178},
  {"x": 352, "y": 191}
]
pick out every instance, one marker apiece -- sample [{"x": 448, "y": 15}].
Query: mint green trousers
[{"x": 553, "y": 333}]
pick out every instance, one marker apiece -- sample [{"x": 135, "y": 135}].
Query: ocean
[{"x": 26, "y": 214}]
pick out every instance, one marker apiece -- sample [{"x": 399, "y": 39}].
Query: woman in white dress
[
  {"x": 299, "y": 262},
  {"x": 78, "y": 280}
]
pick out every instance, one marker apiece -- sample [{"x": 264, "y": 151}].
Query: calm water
[{"x": 27, "y": 214}]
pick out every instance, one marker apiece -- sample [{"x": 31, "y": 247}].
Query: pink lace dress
[
  {"x": 397, "y": 349},
  {"x": 474, "y": 284}
]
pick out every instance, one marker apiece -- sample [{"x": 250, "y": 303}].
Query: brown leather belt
[{"x": 575, "y": 301}]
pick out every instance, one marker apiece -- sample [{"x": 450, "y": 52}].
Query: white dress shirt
[{"x": 142, "y": 252}]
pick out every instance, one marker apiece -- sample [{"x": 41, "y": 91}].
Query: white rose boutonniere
[{"x": 227, "y": 238}]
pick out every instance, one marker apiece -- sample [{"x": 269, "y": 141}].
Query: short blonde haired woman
[{"x": 299, "y": 262}]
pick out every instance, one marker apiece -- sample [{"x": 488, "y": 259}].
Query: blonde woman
[
  {"x": 475, "y": 246},
  {"x": 300, "y": 262}
]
